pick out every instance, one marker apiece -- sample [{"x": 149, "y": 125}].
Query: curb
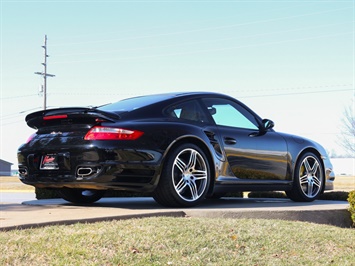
[
  {"x": 93, "y": 220},
  {"x": 39, "y": 213},
  {"x": 339, "y": 218}
]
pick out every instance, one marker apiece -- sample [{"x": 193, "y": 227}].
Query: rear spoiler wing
[{"x": 36, "y": 120}]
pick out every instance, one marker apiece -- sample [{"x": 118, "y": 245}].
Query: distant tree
[{"x": 348, "y": 130}]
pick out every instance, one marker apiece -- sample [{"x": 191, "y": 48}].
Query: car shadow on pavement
[
  {"x": 15, "y": 207},
  {"x": 145, "y": 203}
]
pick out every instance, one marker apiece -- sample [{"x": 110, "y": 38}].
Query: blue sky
[{"x": 290, "y": 61}]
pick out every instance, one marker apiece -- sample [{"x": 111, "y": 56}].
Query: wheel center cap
[{"x": 188, "y": 176}]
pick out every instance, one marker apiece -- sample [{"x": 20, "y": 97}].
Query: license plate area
[{"x": 49, "y": 162}]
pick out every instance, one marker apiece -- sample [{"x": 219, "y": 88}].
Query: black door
[{"x": 251, "y": 154}]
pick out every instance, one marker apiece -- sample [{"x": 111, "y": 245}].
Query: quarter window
[{"x": 190, "y": 110}]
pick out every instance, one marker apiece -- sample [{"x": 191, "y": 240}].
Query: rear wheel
[
  {"x": 185, "y": 177},
  {"x": 81, "y": 196},
  {"x": 309, "y": 179}
]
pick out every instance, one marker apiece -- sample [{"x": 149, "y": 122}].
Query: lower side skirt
[
  {"x": 96, "y": 186},
  {"x": 224, "y": 188}
]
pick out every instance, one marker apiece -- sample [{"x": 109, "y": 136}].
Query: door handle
[{"x": 229, "y": 141}]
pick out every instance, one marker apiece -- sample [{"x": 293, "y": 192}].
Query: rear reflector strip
[{"x": 52, "y": 117}]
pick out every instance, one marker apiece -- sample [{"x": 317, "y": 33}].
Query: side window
[
  {"x": 190, "y": 110},
  {"x": 231, "y": 114}
]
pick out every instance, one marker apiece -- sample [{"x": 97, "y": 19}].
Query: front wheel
[
  {"x": 185, "y": 177},
  {"x": 308, "y": 182},
  {"x": 81, "y": 196}
]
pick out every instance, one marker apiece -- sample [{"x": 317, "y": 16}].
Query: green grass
[{"x": 180, "y": 241}]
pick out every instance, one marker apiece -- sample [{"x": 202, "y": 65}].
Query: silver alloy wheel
[
  {"x": 189, "y": 175},
  {"x": 310, "y": 177}
]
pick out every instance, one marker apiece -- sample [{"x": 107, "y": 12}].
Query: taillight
[
  {"x": 52, "y": 117},
  {"x": 112, "y": 133},
  {"x": 31, "y": 137}
]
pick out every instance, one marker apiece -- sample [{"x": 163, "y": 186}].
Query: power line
[
  {"x": 241, "y": 91},
  {"x": 18, "y": 96},
  {"x": 202, "y": 29},
  {"x": 203, "y": 21},
  {"x": 294, "y": 93},
  {"x": 21, "y": 113},
  {"x": 208, "y": 28},
  {"x": 208, "y": 50},
  {"x": 207, "y": 41}
]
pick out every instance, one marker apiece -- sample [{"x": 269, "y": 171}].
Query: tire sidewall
[
  {"x": 297, "y": 185},
  {"x": 168, "y": 178}
]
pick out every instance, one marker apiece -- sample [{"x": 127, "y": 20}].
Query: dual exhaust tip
[
  {"x": 81, "y": 173},
  {"x": 87, "y": 171},
  {"x": 23, "y": 171}
]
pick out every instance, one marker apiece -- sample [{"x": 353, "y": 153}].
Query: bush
[
  {"x": 334, "y": 195},
  {"x": 351, "y": 200}
]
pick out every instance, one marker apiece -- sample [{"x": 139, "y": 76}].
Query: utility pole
[{"x": 44, "y": 74}]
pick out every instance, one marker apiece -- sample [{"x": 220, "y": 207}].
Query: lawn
[{"x": 180, "y": 241}]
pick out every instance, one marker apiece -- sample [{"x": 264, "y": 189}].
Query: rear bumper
[
  {"x": 132, "y": 170},
  {"x": 108, "y": 177}
]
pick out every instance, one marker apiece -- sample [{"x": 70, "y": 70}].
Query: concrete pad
[{"x": 57, "y": 211}]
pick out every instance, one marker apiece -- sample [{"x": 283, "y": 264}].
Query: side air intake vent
[{"x": 214, "y": 142}]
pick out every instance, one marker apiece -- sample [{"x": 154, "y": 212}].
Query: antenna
[{"x": 44, "y": 73}]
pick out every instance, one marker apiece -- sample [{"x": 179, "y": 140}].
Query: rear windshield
[{"x": 131, "y": 104}]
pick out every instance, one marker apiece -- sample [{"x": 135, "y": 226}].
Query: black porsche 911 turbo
[{"x": 181, "y": 147}]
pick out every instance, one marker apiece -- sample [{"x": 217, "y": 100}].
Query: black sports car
[{"x": 182, "y": 147}]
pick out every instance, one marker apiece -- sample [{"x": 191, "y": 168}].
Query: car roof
[
  {"x": 169, "y": 95},
  {"x": 130, "y": 104}
]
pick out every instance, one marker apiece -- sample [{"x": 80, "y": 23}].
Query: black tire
[
  {"x": 185, "y": 177},
  {"x": 309, "y": 179},
  {"x": 81, "y": 196}
]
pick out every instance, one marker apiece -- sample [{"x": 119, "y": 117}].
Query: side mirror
[
  {"x": 267, "y": 124},
  {"x": 212, "y": 110}
]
